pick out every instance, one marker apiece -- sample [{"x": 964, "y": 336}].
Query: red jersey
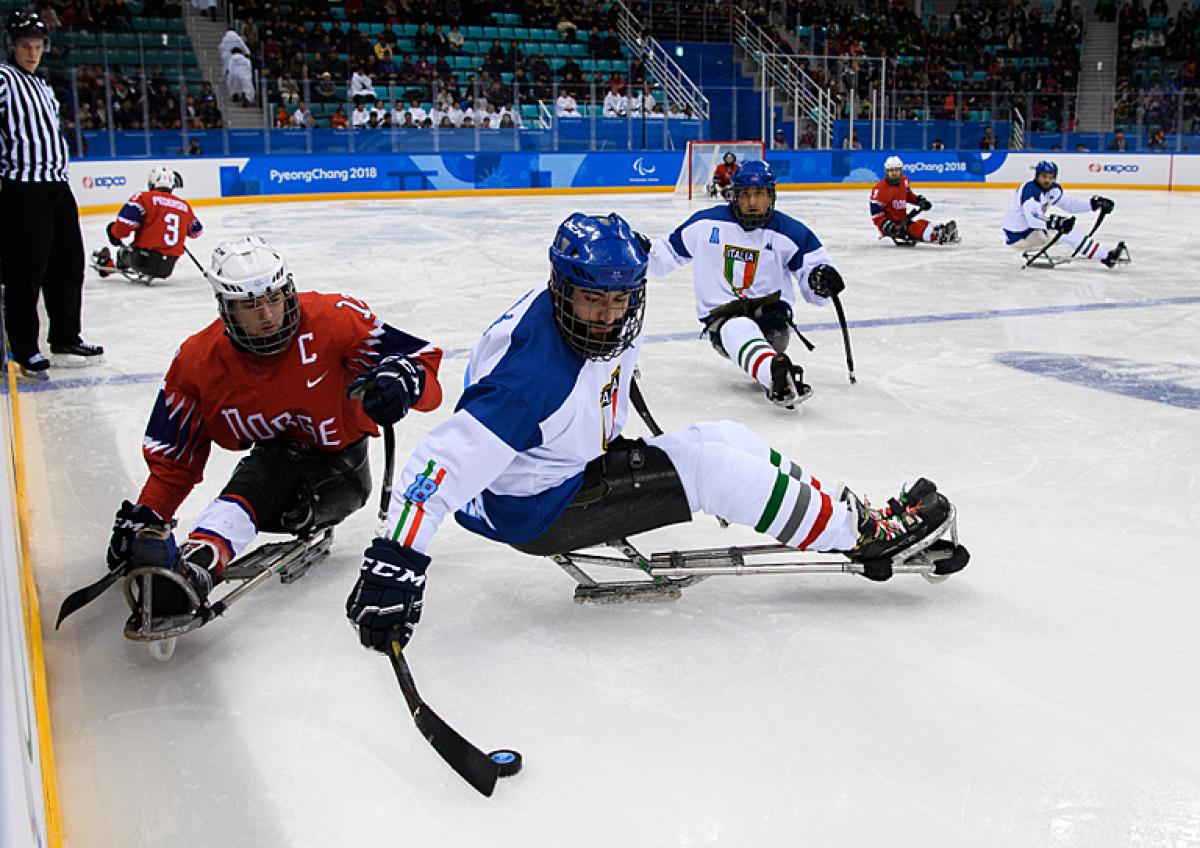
[
  {"x": 161, "y": 221},
  {"x": 724, "y": 174},
  {"x": 214, "y": 392},
  {"x": 890, "y": 201}
]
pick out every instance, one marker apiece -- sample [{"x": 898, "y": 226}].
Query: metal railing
[
  {"x": 781, "y": 72},
  {"x": 664, "y": 69}
]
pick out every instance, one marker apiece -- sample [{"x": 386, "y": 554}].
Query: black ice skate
[
  {"x": 102, "y": 261},
  {"x": 946, "y": 233},
  {"x": 904, "y": 528},
  {"x": 788, "y": 388},
  {"x": 77, "y": 355},
  {"x": 1119, "y": 255},
  {"x": 35, "y": 367}
]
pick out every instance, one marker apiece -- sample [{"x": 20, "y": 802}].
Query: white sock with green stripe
[{"x": 744, "y": 342}]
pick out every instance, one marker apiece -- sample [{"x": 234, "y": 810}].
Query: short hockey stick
[
  {"x": 195, "y": 261},
  {"x": 837, "y": 305},
  {"x": 1042, "y": 252},
  {"x": 475, "y": 767},
  {"x": 1095, "y": 226},
  {"x": 639, "y": 403},
  {"x": 82, "y": 597}
]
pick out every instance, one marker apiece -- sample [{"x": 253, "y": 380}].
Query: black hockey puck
[{"x": 509, "y": 761}]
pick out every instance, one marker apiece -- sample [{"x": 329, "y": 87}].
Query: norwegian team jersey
[
  {"x": 891, "y": 201},
  {"x": 215, "y": 393},
  {"x": 160, "y": 220},
  {"x": 1030, "y": 208},
  {"x": 533, "y": 415},
  {"x": 734, "y": 263}
]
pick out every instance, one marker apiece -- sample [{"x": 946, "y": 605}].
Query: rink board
[{"x": 102, "y": 185}]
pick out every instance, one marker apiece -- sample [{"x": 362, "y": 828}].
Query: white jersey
[
  {"x": 1030, "y": 209},
  {"x": 534, "y": 413},
  {"x": 733, "y": 263}
]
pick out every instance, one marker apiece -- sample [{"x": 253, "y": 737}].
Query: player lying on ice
[
  {"x": 274, "y": 374},
  {"x": 1029, "y": 226},
  {"x": 160, "y": 223},
  {"x": 747, "y": 253},
  {"x": 534, "y": 457},
  {"x": 890, "y": 200}
]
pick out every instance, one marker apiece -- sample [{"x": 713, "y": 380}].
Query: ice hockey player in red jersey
[
  {"x": 723, "y": 176},
  {"x": 159, "y": 222},
  {"x": 890, "y": 200},
  {"x": 299, "y": 380}
]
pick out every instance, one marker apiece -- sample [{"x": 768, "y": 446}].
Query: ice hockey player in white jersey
[
  {"x": 534, "y": 457},
  {"x": 746, "y": 255},
  {"x": 1029, "y": 225}
]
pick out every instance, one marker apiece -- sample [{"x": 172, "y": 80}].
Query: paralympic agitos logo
[
  {"x": 1098, "y": 167},
  {"x": 104, "y": 182}
]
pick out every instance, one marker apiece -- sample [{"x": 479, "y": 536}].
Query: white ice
[{"x": 1047, "y": 695}]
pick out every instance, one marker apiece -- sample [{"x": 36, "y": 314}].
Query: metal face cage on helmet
[
  {"x": 249, "y": 275},
  {"x": 164, "y": 179},
  {"x": 599, "y": 255},
  {"x": 756, "y": 174},
  {"x": 893, "y": 163}
]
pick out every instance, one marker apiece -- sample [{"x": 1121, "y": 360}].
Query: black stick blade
[
  {"x": 82, "y": 597},
  {"x": 472, "y": 765}
]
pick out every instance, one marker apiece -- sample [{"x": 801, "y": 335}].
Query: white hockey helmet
[
  {"x": 164, "y": 179},
  {"x": 245, "y": 274},
  {"x": 893, "y": 162}
]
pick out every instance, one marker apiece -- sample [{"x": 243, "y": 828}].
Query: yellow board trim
[
  {"x": 33, "y": 631},
  {"x": 112, "y": 209}
]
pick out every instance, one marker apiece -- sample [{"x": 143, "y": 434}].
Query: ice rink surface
[{"x": 1046, "y": 696}]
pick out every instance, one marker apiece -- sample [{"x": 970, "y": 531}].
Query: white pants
[{"x": 728, "y": 471}]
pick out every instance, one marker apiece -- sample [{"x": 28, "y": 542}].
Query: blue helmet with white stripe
[
  {"x": 1045, "y": 167},
  {"x": 756, "y": 174},
  {"x": 597, "y": 264}
]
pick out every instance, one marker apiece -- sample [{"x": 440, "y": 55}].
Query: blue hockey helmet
[
  {"x": 755, "y": 174},
  {"x": 1045, "y": 167},
  {"x": 602, "y": 255}
]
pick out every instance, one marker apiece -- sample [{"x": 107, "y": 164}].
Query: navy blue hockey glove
[
  {"x": 130, "y": 519},
  {"x": 113, "y": 240},
  {"x": 385, "y": 603},
  {"x": 643, "y": 242},
  {"x": 890, "y": 228},
  {"x": 1102, "y": 204},
  {"x": 825, "y": 281},
  {"x": 389, "y": 390},
  {"x": 1060, "y": 223},
  {"x": 923, "y": 204}
]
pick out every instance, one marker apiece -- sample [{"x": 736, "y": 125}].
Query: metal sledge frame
[
  {"x": 935, "y": 558},
  {"x": 290, "y": 560}
]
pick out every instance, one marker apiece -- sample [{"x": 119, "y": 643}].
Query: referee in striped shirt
[{"x": 41, "y": 248}]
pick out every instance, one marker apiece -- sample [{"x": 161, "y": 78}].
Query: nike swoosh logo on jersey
[{"x": 312, "y": 383}]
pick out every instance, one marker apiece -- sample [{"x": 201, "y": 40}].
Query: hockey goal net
[{"x": 701, "y": 161}]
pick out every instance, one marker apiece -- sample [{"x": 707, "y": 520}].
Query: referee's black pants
[{"x": 41, "y": 251}]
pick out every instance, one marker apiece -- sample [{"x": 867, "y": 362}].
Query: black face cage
[
  {"x": 751, "y": 222},
  {"x": 577, "y": 333},
  {"x": 264, "y": 345}
]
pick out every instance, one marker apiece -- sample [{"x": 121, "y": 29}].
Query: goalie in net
[{"x": 709, "y": 166}]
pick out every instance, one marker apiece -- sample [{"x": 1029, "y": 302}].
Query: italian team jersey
[
  {"x": 215, "y": 393},
  {"x": 160, "y": 220}
]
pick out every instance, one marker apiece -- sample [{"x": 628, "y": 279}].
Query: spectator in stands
[
  {"x": 362, "y": 89},
  {"x": 595, "y": 44},
  {"x": 616, "y": 104},
  {"x": 937, "y": 145},
  {"x": 642, "y": 103},
  {"x": 289, "y": 91},
  {"x": 1081, "y": 148},
  {"x": 380, "y": 111},
  {"x": 565, "y": 106},
  {"x": 455, "y": 40},
  {"x": 566, "y": 28},
  {"x": 302, "y": 118},
  {"x": 415, "y": 109},
  {"x": 612, "y": 46},
  {"x": 282, "y": 118},
  {"x": 325, "y": 90},
  {"x": 423, "y": 68},
  {"x": 851, "y": 142},
  {"x": 988, "y": 140},
  {"x": 338, "y": 119},
  {"x": 230, "y": 41},
  {"x": 239, "y": 78},
  {"x": 1118, "y": 142},
  {"x": 396, "y": 116},
  {"x": 1157, "y": 140},
  {"x": 438, "y": 43},
  {"x": 193, "y": 148},
  {"x": 779, "y": 142},
  {"x": 383, "y": 57},
  {"x": 360, "y": 117}
]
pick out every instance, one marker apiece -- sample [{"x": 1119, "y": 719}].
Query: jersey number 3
[{"x": 171, "y": 221}]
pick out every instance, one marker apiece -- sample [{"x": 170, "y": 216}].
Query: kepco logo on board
[
  {"x": 1098, "y": 167},
  {"x": 104, "y": 182}
]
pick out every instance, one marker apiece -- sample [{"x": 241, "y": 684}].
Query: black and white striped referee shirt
[{"x": 31, "y": 147}]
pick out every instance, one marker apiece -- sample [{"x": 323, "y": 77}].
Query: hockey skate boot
[
  {"x": 191, "y": 568},
  {"x": 788, "y": 388},
  {"x": 102, "y": 259},
  {"x": 76, "y": 355},
  {"x": 36, "y": 367},
  {"x": 946, "y": 233},
  {"x": 1118, "y": 255},
  {"x": 906, "y": 526}
]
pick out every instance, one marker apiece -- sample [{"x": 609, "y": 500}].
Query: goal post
[{"x": 702, "y": 158}]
